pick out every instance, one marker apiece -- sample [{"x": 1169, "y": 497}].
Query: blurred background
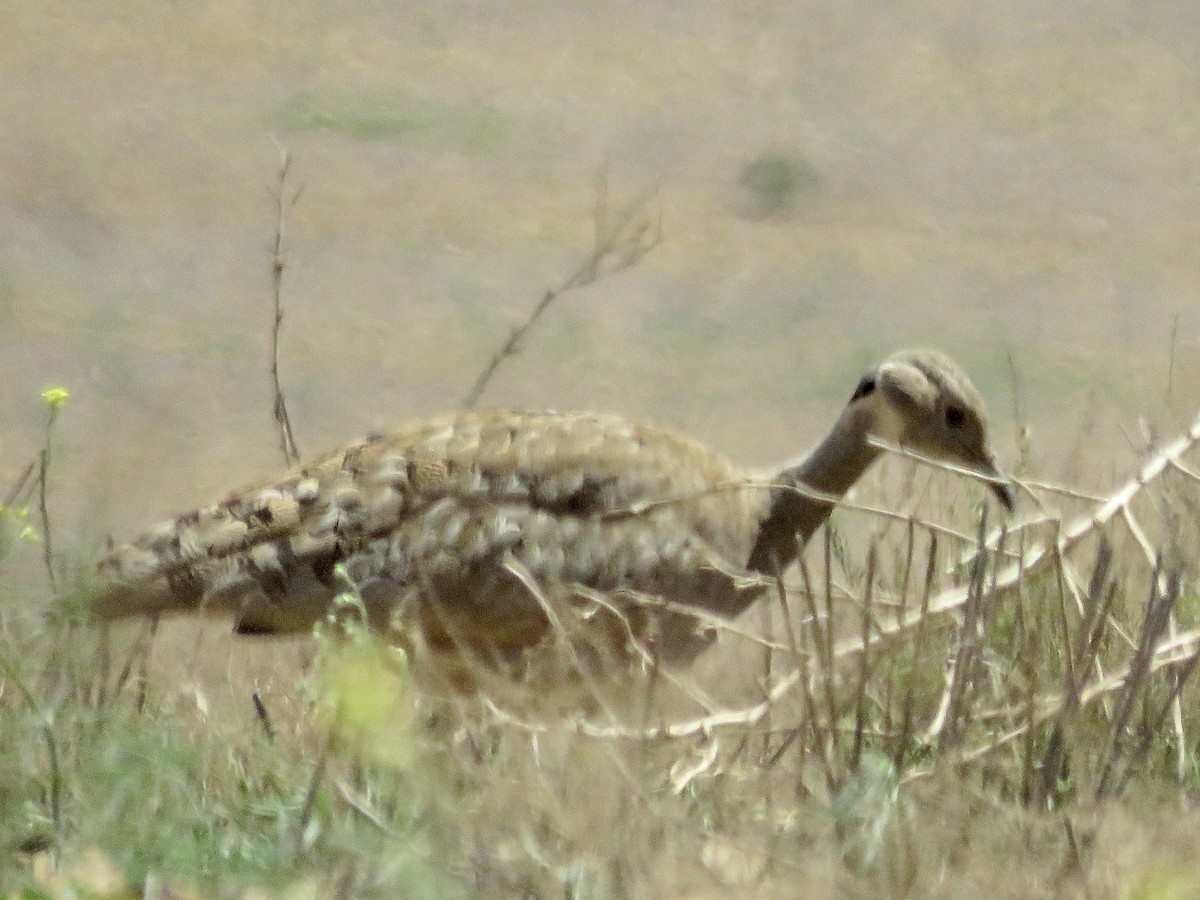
[{"x": 1015, "y": 183}]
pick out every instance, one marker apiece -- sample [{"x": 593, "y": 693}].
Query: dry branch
[
  {"x": 1174, "y": 649},
  {"x": 287, "y": 440},
  {"x": 619, "y": 242}
]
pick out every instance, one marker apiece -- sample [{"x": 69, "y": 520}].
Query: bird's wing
[{"x": 441, "y": 508}]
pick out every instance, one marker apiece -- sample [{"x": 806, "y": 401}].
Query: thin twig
[
  {"x": 46, "y": 718},
  {"x": 969, "y": 639},
  {"x": 1172, "y": 705},
  {"x": 821, "y": 642},
  {"x": 810, "y": 705},
  {"x": 1185, "y": 471},
  {"x": 619, "y": 242},
  {"x": 954, "y": 599},
  {"x": 1051, "y": 488},
  {"x": 1171, "y": 356},
  {"x": 310, "y": 795},
  {"x": 1158, "y": 611},
  {"x": 361, "y": 806},
  {"x": 44, "y": 512},
  {"x": 1078, "y": 661},
  {"x": 1173, "y": 651},
  {"x": 143, "y": 677},
  {"x": 1020, "y": 426},
  {"x": 287, "y": 440},
  {"x": 19, "y": 486},
  {"x": 138, "y": 653},
  {"x": 264, "y": 717},
  {"x": 864, "y": 669},
  {"x": 827, "y": 666},
  {"x": 918, "y": 654}
]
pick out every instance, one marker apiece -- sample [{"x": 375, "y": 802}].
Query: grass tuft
[{"x": 774, "y": 182}]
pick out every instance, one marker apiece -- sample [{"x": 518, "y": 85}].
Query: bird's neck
[{"x": 831, "y": 468}]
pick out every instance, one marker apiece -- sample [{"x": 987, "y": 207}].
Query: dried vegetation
[{"x": 933, "y": 705}]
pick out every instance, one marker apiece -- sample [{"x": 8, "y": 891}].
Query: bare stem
[
  {"x": 1158, "y": 611},
  {"x": 310, "y": 795},
  {"x": 46, "y": 715},
  {"x": 1171, "y": 356},
  {"x": 620, "y": 241},
  {"x": 44, "y": 490},
  {"x": 44, "y": 514},
  {"x": 19, "y": 486},
  {"x": 287, "y": 440},
  {"x": 264, "y": 717},
  {"x": 864, "y": 669}
]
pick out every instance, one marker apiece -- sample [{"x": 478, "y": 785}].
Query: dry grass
[
  {"x": 910, "y": 718},
  {"x": 922, "y": 713}
]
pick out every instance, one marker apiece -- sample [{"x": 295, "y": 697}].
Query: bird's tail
[{"x": 136, "y": 583}]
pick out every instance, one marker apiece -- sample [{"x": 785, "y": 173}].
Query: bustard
[{"x": 463, "y": 526}]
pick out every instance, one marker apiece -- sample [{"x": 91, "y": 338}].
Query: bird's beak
[
  {"x": 999, "y": 483},
  {"x": 1005, "y": 493}
]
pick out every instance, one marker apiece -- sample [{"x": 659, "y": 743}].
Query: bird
[{"x": 478, "y": 531}]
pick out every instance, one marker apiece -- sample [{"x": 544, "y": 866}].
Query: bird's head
[{"x": 922, "y": 400}]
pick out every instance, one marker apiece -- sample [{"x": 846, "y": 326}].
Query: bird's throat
[{"x": 832, "y": 468}]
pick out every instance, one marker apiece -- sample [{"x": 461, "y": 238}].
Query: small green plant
[
  {"x": 863, "y": 809},
  {"x": 363, "y": 690},
  {"x": 55, "y": 398},
  {"x": 772, "y": 183},
  {"x": 15, "y": 527}
]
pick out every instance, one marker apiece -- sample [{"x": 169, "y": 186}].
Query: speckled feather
[
  {"x": 445, "y": 512},
  {"x": 480, "y": 530}
]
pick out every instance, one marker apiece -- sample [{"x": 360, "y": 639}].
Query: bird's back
[{"x": 459, "y": 516}]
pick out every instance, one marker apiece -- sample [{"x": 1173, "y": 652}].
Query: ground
[{"x": 1014, "y": 184}]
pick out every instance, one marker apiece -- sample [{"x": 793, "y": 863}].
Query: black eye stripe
[
  {"x": 955, "y": 416},
  {"x": 865, "y": 387}
]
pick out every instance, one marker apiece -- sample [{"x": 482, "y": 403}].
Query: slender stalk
[
  {"x": 827, "y": 661},
  {"x": 287, "y": 439},
  {"x": 820, "y": 640},
  {"x": 19, "y": 485},
  {"x": 918, "y": 653},
  {"x": 1171, "y": 356},
  {"x": 1158, "y": 612},
  {"x": 310, "y": 795},
  {"x": 864, "y": 662},
  {"x": 264, "y": 717},
  {"x": 619, "y": 242},
  {"x": 44, "y": 512}
]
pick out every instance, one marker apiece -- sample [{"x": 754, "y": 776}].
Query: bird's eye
[
  {"x": 955, "y": 416},
  {"x": 866, "y": 386}
]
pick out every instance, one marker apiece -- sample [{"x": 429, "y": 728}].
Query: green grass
[
  {"x": 476, "y": 130},
  {"x": 775, "y": 182},
  {"x": 146, "y": 779}
]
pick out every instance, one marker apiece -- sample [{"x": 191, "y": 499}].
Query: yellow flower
[
  {"x": 370, "y": 701},
  {"x": 55, "y": 397}
]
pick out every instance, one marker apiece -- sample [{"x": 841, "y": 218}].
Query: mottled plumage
[{"x": 474, "y": 528}]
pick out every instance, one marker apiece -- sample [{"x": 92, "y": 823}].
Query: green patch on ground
[
  {"x": 474, "y": 130},
  {"x": 775, "y": 182}
]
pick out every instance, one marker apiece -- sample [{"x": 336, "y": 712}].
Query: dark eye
[
  {"x": 866, "y": 386},
  {"x": 955, "y": 416}
]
